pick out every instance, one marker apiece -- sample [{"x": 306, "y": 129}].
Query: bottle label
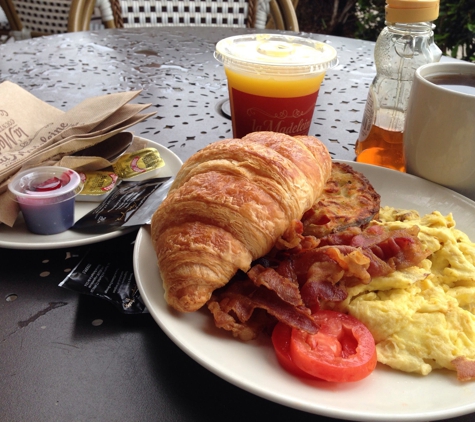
[
  {"x": 368, "y": 116},
  {"x": 254, "y": 113}
]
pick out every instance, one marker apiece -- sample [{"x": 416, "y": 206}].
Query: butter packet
[
  {"x": 97, "y": 185},
  {"x": 139, "y": 165}
]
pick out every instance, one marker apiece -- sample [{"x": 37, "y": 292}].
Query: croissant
[{"x": 229, "y": 204}]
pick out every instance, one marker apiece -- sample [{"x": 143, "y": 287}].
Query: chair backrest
[
  {"x": 139, "y": 13},
  {"x": 282, "y": 15},
  {"x": 11, "y": 23},
  {"x": 228, "y": 13},
  {"x": 5, "y": 27},
  {"x": 46, "y": 17}
]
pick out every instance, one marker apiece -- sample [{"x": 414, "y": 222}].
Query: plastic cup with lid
[
  {"x": 46, "y": 196},
  {"x": 273, "y": 80}
]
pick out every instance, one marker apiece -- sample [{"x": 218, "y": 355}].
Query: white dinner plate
[
  {"x": 386, "y": 395},
  {"x": 18, "y": 236}
]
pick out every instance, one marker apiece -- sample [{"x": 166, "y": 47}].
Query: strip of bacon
[
  {"x": 234, "y": 309},
  {"x": 402, "y": 247},
  {"x": 285, "y": 288},
  {"x": 346, "y": 261},
  {"x": 398, "y": 248},
  {"x": 465, "y": 368},
  {"x": 286, "y": 283},
  {"x": 293, "y": 240},
  {"x": 314, "y": 291}
]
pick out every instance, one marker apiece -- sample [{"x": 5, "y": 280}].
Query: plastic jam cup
[
  {"x": 46, "y": 196},
  {"x": 273, "y": 81}
]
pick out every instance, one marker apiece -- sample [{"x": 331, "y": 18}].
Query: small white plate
[
  {"x": 386, "y": 395},
  {"x": 18, "y": 236}
]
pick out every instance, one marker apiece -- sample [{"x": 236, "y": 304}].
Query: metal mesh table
[{"x": 179, "y": 76}]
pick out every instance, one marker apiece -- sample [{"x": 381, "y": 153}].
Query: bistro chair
[
  {"x": 279, "y": 14},
  {"x": 33, "y": 18},
  {"x": 283, "y": 16},
  {"x": 4, "y": 26},
  {"x": 6, "y": 20},
  {"x": 105, "y": 11}
]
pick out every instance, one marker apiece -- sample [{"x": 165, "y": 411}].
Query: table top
[
  {"x": 66, "y": 356},
  {"x": 181, "y": 79}
]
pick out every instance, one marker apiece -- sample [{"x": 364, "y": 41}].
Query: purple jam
[
  {"x": 49, "y": 218},
  {"x": 48, "y": 185},
  {"x": 46, "y": 196}
]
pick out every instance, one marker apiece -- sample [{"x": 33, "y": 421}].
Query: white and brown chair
[
  {"x": 6, "y": 20},
  {"x": 102, "y": 16},
  {"x": 283, "y": 15},
  {"x": 45, "y": 17},
  {"x": 279, "y": 14}
]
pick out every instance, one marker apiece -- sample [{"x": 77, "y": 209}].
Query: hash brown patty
[{"x": 348, "y": 200}]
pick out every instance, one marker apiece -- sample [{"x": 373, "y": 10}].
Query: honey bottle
[{"x": 406, "y": 43}]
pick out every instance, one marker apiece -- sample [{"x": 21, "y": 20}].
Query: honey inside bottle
[{"x": 382, "y": 147}]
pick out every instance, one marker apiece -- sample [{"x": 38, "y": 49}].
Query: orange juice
[
  {"x": 278, "y": 87},
  {"x": 273, "y": 81},
  {"x": 278, "y": 104}
]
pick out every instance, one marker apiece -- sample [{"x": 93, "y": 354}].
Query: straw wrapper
[{"x": 33, "y": 132}]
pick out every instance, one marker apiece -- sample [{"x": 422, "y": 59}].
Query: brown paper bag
[
  {"x": 72, "y": 144},
  {"x": 23, "y": 141},
  {"x": 33, "y": 132}
]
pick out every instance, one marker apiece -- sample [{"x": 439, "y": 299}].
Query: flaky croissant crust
[{"x": 229, "y": 204}]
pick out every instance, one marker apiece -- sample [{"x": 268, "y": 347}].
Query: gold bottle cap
[{"x": 408, "y": 11}]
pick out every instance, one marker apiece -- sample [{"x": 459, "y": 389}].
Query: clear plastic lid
[
  {"x": 408, "y": 11},
  {"x": 47, "y": 182},
  {"x": 275, "y": 54}
]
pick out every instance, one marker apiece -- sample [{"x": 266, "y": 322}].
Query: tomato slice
[
  {"x": 342, "y": 351},
  {"x": 281, "y": 341}
]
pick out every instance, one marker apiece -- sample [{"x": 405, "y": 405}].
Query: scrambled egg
[{"x": 422, "y": 317}]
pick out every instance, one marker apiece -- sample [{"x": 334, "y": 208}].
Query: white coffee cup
[{"x": 439, "y": 132}]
